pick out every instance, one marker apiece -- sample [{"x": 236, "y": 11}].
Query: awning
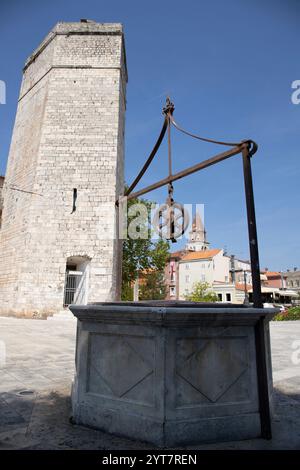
[{"x": 276, "y": 291}]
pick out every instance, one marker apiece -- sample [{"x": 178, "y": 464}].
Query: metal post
[
  {"x": 282, "y": 281},
  {"x": 257, "y": 299},
  {"x": 262, "y": 378},
  {"x": 246, "y": 299},
  {"x": 260, "y": 340}
]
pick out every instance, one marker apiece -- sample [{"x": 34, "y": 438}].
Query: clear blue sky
[{"x": 228, "y": 66}]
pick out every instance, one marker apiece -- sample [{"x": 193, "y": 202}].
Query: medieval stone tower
[{"x": 58, "y": 238}]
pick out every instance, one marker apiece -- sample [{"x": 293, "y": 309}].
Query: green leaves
[
  {"x": 144, "y": 256},
  {"x": 201, "y": 293}
]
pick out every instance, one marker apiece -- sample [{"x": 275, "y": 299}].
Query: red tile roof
[
  {"x": 176, "y": 254},
  {"x": 272, "y": 273},
  {"x": 239, "y": 286},
  {"x": 203, "y": 254}
]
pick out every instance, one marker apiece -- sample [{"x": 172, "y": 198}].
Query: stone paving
[{"x": 36, "y": 380}]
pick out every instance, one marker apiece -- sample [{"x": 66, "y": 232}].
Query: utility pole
[
  {"x": 136, "y": 289},
  {"x": 282, "y": 280},
  {"x": 246, "y": 299}
]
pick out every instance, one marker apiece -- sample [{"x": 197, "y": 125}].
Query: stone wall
[
  {"x": 1, "y": 197},
  {"x": 68, "y": 134}
]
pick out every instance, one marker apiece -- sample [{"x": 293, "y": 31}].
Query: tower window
[
  {"x": 172, "y": 291},
  {"x": 74, "y": 200}
]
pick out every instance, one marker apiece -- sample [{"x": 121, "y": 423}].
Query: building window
[
  {"x": 226, "y": 278},
  {"x": 187, "y": 266},
  {"x": 187, "y": 278},
  {"x": 172, "y": 291},
  {"x": 220, "y": 297},
  {"x": 203, "y": 266},
  {"x": 203, "y": 277},
  {"x": 228, "y": 297}
]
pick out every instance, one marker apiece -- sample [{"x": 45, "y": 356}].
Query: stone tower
[
  {"x": 64, "y": 173},
  {"x": 197, "y": 236}
]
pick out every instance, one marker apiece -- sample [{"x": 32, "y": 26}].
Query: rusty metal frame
[{"x": 247, "y": 148}]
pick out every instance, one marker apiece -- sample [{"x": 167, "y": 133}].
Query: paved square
[{"x": 36, "y": 380}]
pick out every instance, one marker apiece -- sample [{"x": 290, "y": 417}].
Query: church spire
[{"x": 197, "y": 236}]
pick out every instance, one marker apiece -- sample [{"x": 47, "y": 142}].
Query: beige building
[
  {"x": 198, "y": 263},
  {"x": 229, "y": 292},
  {"x": 227, "y": 276},
  {"x": 292, "y": 279},
  {"x": 240, "y": 271},
  {"x": 202, "y": 266},
  {"x": 58, "y": 239}
]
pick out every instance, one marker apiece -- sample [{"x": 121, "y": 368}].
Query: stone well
[{"x": 171, "y": 373}]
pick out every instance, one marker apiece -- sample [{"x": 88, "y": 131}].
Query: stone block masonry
[
  {"x": 1, "y": 197},
  {"x": 68, "y": 135}
]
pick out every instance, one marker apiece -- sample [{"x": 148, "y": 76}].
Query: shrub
[
  {"x": 292, "y": 313},
  {"x": 202, "y": 293}
]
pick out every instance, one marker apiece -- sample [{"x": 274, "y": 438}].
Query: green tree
[
  {"x": 202, "y": 293},
  {"x": 141, "y": 255},
  {"x": 152, "y": 286}
]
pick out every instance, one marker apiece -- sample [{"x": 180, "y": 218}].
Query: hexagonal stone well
[{"x": 170, "y": 373}]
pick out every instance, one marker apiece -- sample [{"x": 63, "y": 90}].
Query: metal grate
[{"x": 71, "y": 284}]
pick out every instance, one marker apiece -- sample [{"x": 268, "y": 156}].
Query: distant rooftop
[{"x": 203, "y": 254}]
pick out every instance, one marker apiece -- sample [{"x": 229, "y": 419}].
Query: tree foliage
[
  {"x": 292, "y": 313},
  {"x": 143, "y": 255},
  {"x": 202, "y": 293},
  {"x": 152, "y": 287}
]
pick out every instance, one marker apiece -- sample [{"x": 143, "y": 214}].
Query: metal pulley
[{"x": 171, "y": 219}]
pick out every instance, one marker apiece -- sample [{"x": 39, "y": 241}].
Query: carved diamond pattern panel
[
  {"x": 211, "y": 366},
  {"x": 119, "y": 364}
]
